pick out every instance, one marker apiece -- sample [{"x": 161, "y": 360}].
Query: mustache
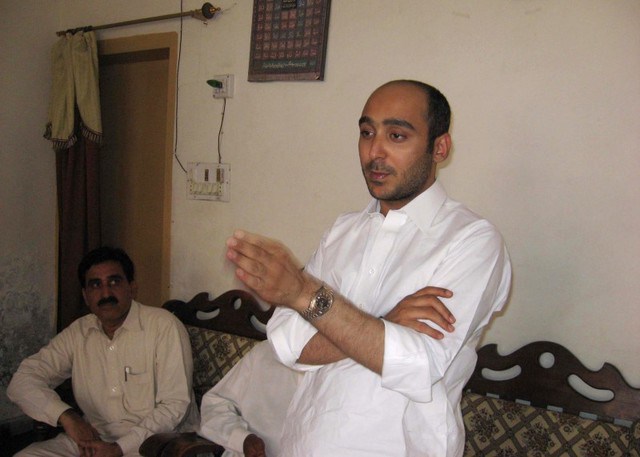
[
  {"x": 378, "y": 167},
  {"x": 106, "y": 300}
]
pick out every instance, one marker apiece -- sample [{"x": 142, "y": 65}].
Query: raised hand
[{"x": 267, "y": 267}]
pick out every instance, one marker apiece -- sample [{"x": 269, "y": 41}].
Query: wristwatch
[{"x": 319, "y": 304}]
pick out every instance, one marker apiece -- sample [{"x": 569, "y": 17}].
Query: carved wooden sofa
[
  {"x": 520, "y": 404},
  {"x": 542, "y": 401},
  {"x": 221, "y": 332}
]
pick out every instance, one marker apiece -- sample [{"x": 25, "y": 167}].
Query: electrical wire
[
  {"x": 224, "y": 104},
  {"x": 224, "y": 109},
  {"x": 175, "y": 140}
]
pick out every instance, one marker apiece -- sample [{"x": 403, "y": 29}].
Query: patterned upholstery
[
  {"x": 634, "y": 447},
  {"x": 214, "y": 353},
  {"x": 494, "y": 427},
  {"x": 503, "y": 428}
]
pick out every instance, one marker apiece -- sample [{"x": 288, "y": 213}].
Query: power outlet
[
  {"x": 226, "y": 91},
  {"x": 208, "y": 181}
]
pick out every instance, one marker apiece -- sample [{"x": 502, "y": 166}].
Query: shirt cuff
[
  {"x": 129, "y": 444},
  {"x": 236, "y": 439},
  {"x": 283, "y": 338},
  {"x": 54, "y": 410},
  {"x": 405, "y": 367}
]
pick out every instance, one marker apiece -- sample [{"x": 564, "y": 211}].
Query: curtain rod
[{"x": 206, "y": 12}]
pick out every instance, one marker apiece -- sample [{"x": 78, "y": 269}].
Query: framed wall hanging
[{"x": 289, "y": 40}]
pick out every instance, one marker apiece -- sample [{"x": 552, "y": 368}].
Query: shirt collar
[
  {"x": 421, "y": 210},
  {"x": 132, "y": 322}
]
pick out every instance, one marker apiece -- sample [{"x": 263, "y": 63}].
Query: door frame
[{"x": 158, "y": 42}]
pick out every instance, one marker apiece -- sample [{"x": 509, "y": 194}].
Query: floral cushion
[
  {"x": 214, "y": 353},
  {"x": 634, "y": 447},
  {"x": 503, "y": 428}
]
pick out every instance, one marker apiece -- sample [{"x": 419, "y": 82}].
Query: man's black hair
[
  {"x": 438, "y": 109},
  {"x": 105, "y": 254}
]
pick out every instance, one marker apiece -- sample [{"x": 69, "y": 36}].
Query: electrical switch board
[{"x": 208, "y": 181}]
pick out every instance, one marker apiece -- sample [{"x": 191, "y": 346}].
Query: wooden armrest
[{"x": 178, "y": 445}]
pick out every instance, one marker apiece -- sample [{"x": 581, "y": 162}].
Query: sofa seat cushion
[
  {"x": 214, "y": 353},
  {"x": 634, "y": 447},
  {"x": 503, "y": 428}
]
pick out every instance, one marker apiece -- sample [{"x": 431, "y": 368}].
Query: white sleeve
[
  {"x": 32, "y": 386},
  {"x": 288, "y": 332},
  {"x": 478, "y": 271},
  {"x": 221, "y": 415}
]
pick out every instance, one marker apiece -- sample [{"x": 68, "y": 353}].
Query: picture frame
[{"x": 289, "y": 40}]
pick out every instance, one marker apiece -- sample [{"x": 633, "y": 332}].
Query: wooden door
[{"x": 137, "y": 92}]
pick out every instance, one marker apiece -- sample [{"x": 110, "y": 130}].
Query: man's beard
[{"x": 410, "y": 183}]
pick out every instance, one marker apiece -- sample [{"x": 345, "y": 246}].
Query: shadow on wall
[{"x": 25, "y": 319}]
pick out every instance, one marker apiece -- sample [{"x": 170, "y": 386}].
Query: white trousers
[{"x": 60, "y": 446}]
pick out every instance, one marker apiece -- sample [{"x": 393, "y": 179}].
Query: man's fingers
[
  {"x": 427, "y": 330},
  {"x": 245, "y": 248},
  {"x": 438, "y": 291},
  {"x": 443, "y": 311},
  {"x": 424, "y": 313},
  {"x": 441, "y": 320},
  {"x": 430, "y": 301},
  {"x": 258, "y": 242},
  {"x": 251, "y": 281},
  {"x": 262, "y": 248},
  {"x": 246, "y": 257}
]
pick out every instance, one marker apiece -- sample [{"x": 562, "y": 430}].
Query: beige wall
[
  {"x": 546, "y": 102},
  {"x": 27, "y": 183}
]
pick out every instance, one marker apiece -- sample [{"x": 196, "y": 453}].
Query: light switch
[{"x": 208, "y": 181}]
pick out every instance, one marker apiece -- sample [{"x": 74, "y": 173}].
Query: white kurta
[
  {"x": 413, "y": 409},
  {"x": 128, "y": 387},
  {"x": 252, "y": 398}
]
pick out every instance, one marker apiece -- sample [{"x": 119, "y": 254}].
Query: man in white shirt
[
  {"x": 130, "y": 366},
  {"x": 373, "y": 387},
  {"x": 244, "y": 412}
]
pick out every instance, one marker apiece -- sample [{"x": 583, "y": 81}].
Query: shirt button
[
  {"x": 111, "y": 348},
  {"x": 372, "y": 271},
  {"x": 114, "y": 389}
]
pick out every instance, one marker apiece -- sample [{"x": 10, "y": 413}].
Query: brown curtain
[
  {"x": 77, "y": 170},
  {"x": 75, "y": 130}
]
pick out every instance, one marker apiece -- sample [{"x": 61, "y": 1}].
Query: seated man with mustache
[{"x": 130, "y": 365}]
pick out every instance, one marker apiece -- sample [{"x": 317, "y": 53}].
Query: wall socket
[
  {"x": 208, "y": 181},
  {"x": 226, "y": 91}
]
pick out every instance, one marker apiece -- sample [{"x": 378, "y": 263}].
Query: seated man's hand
[
  {"x": 99, "y": 448},
  {"x": 253, "y": 446},
  {"x": 424, "y": 304},
  {"x": 77, "y": 428}
]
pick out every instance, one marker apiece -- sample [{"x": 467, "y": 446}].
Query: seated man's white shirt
[
  {"x": 251, "y": 398},
  {"x": 375, "y": 261},
  {"x": 129, "y": 387}
]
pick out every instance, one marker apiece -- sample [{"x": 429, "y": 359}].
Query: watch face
[
  {"x": 323, "y": 302},
  {"x": 320, "y": 304},
  {"x": 324, "y": 299}
]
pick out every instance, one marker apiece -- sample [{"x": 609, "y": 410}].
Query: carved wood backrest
[
  {"x": 235, "y": 311},
  {"x": 547, "y": 374}
]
